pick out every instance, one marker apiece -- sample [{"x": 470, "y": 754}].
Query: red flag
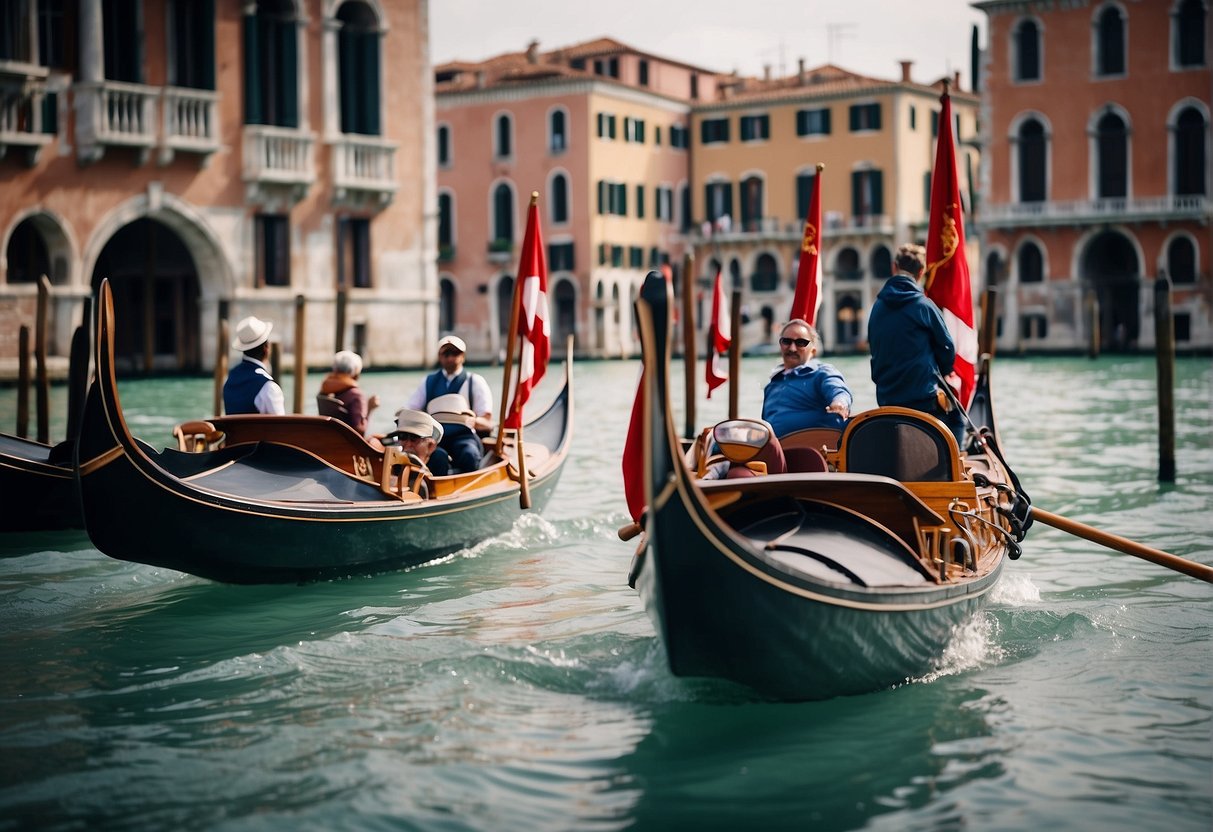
[
  {"x": 533, "y": 324},
  {"x": 947, "y": 281},
  {"x": 633, "y": 461},
  {"x": 719, "y": 339},
  {"x": 808, "y": 274}
]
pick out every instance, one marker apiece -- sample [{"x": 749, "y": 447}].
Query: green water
[{"x": 519, "y": 685}]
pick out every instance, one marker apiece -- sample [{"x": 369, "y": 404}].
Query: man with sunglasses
[
  {"x": 804, "y": 392},
  {"x": 472, "y": 415}
]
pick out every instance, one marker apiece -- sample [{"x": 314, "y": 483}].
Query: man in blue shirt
[
  {"x": 249, "y": 387},
  {"x": 909, "y": 341},
  {"x": 804, "y": 392}
]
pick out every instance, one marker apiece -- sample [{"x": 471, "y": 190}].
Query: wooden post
[
  {"x": 300, "y": 357},
  {"x": 77, "y": 380},
  {"x": 689, "y": 359},
  {"x": 276, "y": 359},
  {"x": 339, "y": 315},
  {"x": 524, "y": 496},
  {"x": 989, "y": 321},
  {"x": 221, "y": 348},
  {"x": 1093, "y": 324},
  {"x": 23, "y": 382},
  {"x": 1164, "y": 353},
  {"x": 43, "y": 390},
  {"x": 734, "y": 353}
]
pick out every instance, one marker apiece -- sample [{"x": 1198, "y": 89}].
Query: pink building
[{"x": 1096, "y": 170}]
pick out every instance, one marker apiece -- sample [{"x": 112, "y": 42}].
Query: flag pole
[
  {"x": 515, "y": 305},
  {"x": 689, "y": 359},
  {"x": 734, "y": 353}
]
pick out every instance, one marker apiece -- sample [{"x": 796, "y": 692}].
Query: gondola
[
  {"x": 846, "y": 573},
  {"x": 283, "y": 499}
]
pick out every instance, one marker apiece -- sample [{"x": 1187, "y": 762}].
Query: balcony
[
  {"x": 22, "y": 118},
  {"x": 500, "y": 251},
  {"x": 191, "y": 122},
  {"x": 446, "y": 252},
  {"x": 364, "y": 165},
  {"x": 278, "y": 157},
  {"x": 115, "y": 114},
  {"x": 1084, "y": 211}
]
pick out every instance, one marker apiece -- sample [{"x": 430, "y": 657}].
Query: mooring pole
[
  {"x": 689, "y": 360},
  {"x": 43, "y": 390},
  {"x": 734, "y": 353},
  {"x": 1092, "y": 324},
  {"x": 23, "y": 382},
  {"x": 300, "y": 358},
  {"x": 1164, "y": 353}
]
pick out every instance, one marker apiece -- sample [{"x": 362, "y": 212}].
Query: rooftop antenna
[
  {"x": 783, "y": 59},
  {"x": 834, "y": 33}
]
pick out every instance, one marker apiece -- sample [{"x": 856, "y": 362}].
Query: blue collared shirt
[{"x": 796, "y": 399}]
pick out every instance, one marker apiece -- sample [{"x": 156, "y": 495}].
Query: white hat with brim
[
  {"x": 451, "y": 409},
  {"x": 251, "y": 332},
  {"x": 452, "y": 340},
  {"x": 418, "y": 423}
]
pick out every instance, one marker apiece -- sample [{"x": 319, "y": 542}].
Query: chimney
[
  {"x": 532, "y": 52},
  {"x": 905, "y": 71},
  {"x": 956, "y": 80},
  {"x": 766, "y": 72},
  {"x": 801, "y": 71}
]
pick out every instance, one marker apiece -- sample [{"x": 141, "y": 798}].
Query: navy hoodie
[{"x": 908, "y": 341}]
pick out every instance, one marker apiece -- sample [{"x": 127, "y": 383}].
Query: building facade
[
  {"x": 1096, "y": 170},
  {"x": 755, "y": 153},
  {"x": 600, "y": 132},
  {"x": 215, "y": 159}
]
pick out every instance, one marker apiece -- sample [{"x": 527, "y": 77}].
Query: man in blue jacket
[
  {"x": 249, "y": 387},
  {"x": 909, "y": 342},
  {"x": 804, "y": 392}
]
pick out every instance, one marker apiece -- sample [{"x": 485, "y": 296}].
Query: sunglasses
[{"x": 800, "y": 342}]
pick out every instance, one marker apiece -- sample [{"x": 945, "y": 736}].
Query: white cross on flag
[{"x": 534, "y": 327}]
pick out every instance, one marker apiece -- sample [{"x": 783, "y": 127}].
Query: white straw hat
[
  {"x": 418, "y": 423},
  {"x": 451, "y": 408},
  {"x": 251, "y": 332}
]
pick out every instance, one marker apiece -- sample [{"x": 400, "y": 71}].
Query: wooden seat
[
  {"x": 410, "y": 483},
  {"x": 197, "y": 436},
  {"x": 329, "y": 405},
  {"x": 819, "y": 439},
  {"x": 805, "y": 461},
  {"x": 906, "y": 445}
]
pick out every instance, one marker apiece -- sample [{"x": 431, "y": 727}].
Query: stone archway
[
  {"x": 156, "y": 298},
  {"x": 1110, "y": 268}
]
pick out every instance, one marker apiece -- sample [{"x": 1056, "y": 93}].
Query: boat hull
[{"x": 39, "y": 495}]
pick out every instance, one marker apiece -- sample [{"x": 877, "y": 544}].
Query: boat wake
[{"x": 973, "y": 644}]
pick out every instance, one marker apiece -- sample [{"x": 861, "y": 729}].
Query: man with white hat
[
  {"x": 249, "y": 387},
  {"x": 419, "y": 433},
  {"x": 460, "y": 400}
]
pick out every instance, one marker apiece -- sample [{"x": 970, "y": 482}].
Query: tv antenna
[{"x": 834, "y": 33}]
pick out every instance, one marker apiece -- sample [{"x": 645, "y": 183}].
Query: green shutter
[
  {"x": 252, "y": 71},
  {"x": 857, "y": 193},
  {"x": 370, "y": 87},
  {"x": 288, "y": 72},
  {"x": 877, "y": 191},
  {"x": 206, "y": 45}
]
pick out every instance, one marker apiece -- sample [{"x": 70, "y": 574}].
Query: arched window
[
  {"x": 1181, "y": 260},
  {"x": 271, "y": 71},
  {"x": 1109, "y": 48},
  {"x": 1032, "y": 161},
  {"x": 358, "y": 68},
  {"x": 566, "y": 312},
  {"x": 882, "y": 262},
  {"x": 558, "y": 140},
  {"x": 1188, "y": 32},
  {"x": 505, "y": 304},
  {"x": 1026, "y": 47},
  {"x": 559, "y": 198},
  {"x": 1112, "y": 155},
  {"x": 1031, "y": 263},
  {"x": 446, "y": 305},
  {"x": 751, "y": 203},
  {"x": 766, "y": 274},
  {"x": 1191, "y": 171},
  {"x": 847, "y": 267},
  {"x": 28, "y": 257},
  {"x": 503, "y": 215},
  {"x": 503, "y": 137}
]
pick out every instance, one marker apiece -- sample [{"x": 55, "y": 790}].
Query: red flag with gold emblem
[
  {"x": 807, "y": 299},
  {"x": 947, "y": 274}
]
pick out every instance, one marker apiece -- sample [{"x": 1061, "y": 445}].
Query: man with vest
[
  {"x": 460, "y": 400},
  {"x": 249, "y": 387}
]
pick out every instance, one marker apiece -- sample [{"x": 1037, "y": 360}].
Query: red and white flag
[
  {"x": 534, "y": 326},
  {"x": 807, "y": 299},
  {"x": 947, "y": 281},
  {"x": 720, "y": 336}
]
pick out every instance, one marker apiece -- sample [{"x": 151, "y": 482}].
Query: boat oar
[{"x": 1123, "y": 544}]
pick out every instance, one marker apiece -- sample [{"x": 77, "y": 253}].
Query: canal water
[{"x": 519, "y": 685}]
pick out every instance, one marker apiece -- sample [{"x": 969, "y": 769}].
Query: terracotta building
[
  {"x": 1096, "y": 170},
  {"x": 220, "y": 158},
  {"x": 754, "y": 157},
  {"x": 601, "y": 132}
]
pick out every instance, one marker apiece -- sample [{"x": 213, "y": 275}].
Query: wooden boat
[
  {"x": 842, "y": 577},
  {"x": 267, "y": 499}
]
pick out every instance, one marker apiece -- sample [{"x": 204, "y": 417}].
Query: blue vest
[
  {"x": 437, "y": 385},
  {"x": 243, "y": 384}
]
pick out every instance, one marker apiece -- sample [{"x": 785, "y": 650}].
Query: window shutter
[
  {"x": 825, "y": 122},
  {"x": 857, "y": 192},
  {"x": 370, "y": 87},
  {"x": 347, "y": 79},
  {"x": 252, "y": 71},
  {"x": 877, "y": 191},
  {"x": 288, "y": 73},
  {"x": 206, "y": 45}
]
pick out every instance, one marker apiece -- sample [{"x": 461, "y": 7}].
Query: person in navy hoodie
[
  {"x": 249, "y": 387},
  {"x": 463, "y": 425},
  {"x": 804, "y": 392},
  {"x": 909, "y": 341}
]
